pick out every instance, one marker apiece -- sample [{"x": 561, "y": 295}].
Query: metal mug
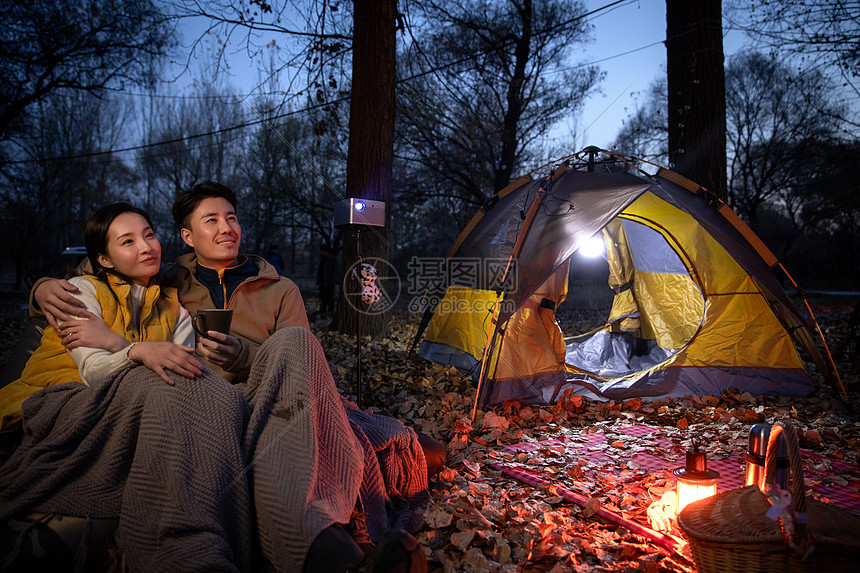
[
  {"x": 217, "y": 319},
  {"x": 755, "y": 457}
]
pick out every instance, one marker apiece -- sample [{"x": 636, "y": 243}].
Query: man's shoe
[
  {"x": 357, "y": 528},
  {"x": 399, "y": 552},
  {"x": 333, "y": 551},
  {"x": 435, "y": 453}
]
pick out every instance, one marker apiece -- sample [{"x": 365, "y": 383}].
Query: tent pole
[
  {"x": 498, "y": 349},
  {"x": 514, "y": 253},
  {"x": 358, "y": 399},
  {"x": 491, "y": 334}
]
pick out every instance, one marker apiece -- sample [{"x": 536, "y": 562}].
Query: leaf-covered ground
[{"x": 484, "y": 520}]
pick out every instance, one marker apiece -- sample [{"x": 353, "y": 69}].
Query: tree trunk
[
  {"x": 515, "y": 100},
  {"x": 370, "y": 153},
  {"x": 697, "y": 92}
]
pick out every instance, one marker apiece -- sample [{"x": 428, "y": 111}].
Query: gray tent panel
[{"x": 651, "y": 252}]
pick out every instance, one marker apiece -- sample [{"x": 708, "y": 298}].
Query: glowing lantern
[
  {"x": 593, "y": 247},
  {"x": 695, "y": 480}
]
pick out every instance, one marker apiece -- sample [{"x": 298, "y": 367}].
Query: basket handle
[{"x": 798, "y": 493}]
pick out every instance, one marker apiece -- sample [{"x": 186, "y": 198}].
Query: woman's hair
[
  {"x": 187, "y": 201},
  {"x": 96, "y": 231}
]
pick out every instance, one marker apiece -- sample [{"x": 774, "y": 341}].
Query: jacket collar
[{"x": 188, "y": 261}]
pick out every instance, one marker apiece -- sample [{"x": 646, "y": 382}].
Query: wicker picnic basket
[{"x": 729, "y": 532}]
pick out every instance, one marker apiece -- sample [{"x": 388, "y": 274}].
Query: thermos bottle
[{"x": 759, "y": 435}]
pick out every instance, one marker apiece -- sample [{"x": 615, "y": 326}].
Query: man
[
  {"x": 273, "y": 255},
  {"x": 216, "y": 275},
  {"x": 327, "y": 278}
]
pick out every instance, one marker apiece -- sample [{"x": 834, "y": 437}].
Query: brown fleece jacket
[{"x": 262, "y": 305}]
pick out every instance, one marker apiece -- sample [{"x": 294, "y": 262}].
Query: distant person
[
  {"x": 327, "y": 278},
  {"x": 273, "y": 257}
]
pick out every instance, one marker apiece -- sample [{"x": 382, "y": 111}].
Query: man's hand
[
  {"x": 90, "y": 331},
  {"x": 219, "y": 349},
  {"x": 161, "y": 356},
  {"x": 56, "y": 300}
]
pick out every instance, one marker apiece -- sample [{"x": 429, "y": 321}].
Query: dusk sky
[{"x": 628, "y": 46}]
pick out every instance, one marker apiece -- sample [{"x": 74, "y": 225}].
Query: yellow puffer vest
[{"x": 50, "y": 364}]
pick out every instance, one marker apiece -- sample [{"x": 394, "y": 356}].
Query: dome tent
[{"x": 698, "y": 308}]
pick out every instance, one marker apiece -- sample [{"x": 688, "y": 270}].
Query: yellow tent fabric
[
  {"x": 697, "y": 307},
  {"x": 671, "y": 325},
  {"x": 461, "y": 320},
  {"x": 640, "y": 304},
  {"x": 533, "y": 343},
  {"x": 624, "y": 315},
  {"x": 738, "y": 328}
]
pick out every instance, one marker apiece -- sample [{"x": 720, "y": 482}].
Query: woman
[
  {"x": 147, "y": 324},
  {"x": 158, "y": 458}
]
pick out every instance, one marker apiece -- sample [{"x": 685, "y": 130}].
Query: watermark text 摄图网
[
  {"x": 433, "y": 275},
  {"x": 373, "y": 285}
]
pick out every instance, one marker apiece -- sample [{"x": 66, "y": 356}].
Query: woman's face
[{"x": 132, "y": 248}]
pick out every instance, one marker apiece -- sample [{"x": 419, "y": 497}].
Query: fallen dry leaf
[
  {"x": 592, "y": 506},
  {"x": 437, "y": 517},
  {"x": 463, "y": 539},
  {"x": 525, "y": 529},
  {"x": 492, "y": 420}
]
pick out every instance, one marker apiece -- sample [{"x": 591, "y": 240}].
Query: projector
[{"x": 354, "y": 211}]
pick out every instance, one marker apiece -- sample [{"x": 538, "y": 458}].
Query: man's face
[{"x": 215, "y": 233}]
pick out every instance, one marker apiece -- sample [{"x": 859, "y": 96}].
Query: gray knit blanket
[
  {"x": 394, "y": 484},
  {"x": 305, "y": 463},
  {"x": 193, "y": 472},
  {"x": 312, "y": 454},
  {"x": 166, "y": 460}
]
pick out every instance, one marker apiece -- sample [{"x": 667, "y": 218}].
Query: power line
[
  {"x": 311, "y": 107},
  {"x": 222, "y": 96},
  {"x": 180, "y": 139},
  {"x": 467, "y": 58},
  {"x": 179, "y": 96},
  {"x": 487, "y": 50}
]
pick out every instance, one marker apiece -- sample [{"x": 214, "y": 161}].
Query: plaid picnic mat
[{"x": 832, "y": 480}]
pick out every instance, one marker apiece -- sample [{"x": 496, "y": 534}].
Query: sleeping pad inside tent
[{"x": 697, "y": 308}]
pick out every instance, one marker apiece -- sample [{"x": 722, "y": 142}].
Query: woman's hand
[
  {"x": 161, "y": 356},
  {"x": 90, "y": 331}
]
